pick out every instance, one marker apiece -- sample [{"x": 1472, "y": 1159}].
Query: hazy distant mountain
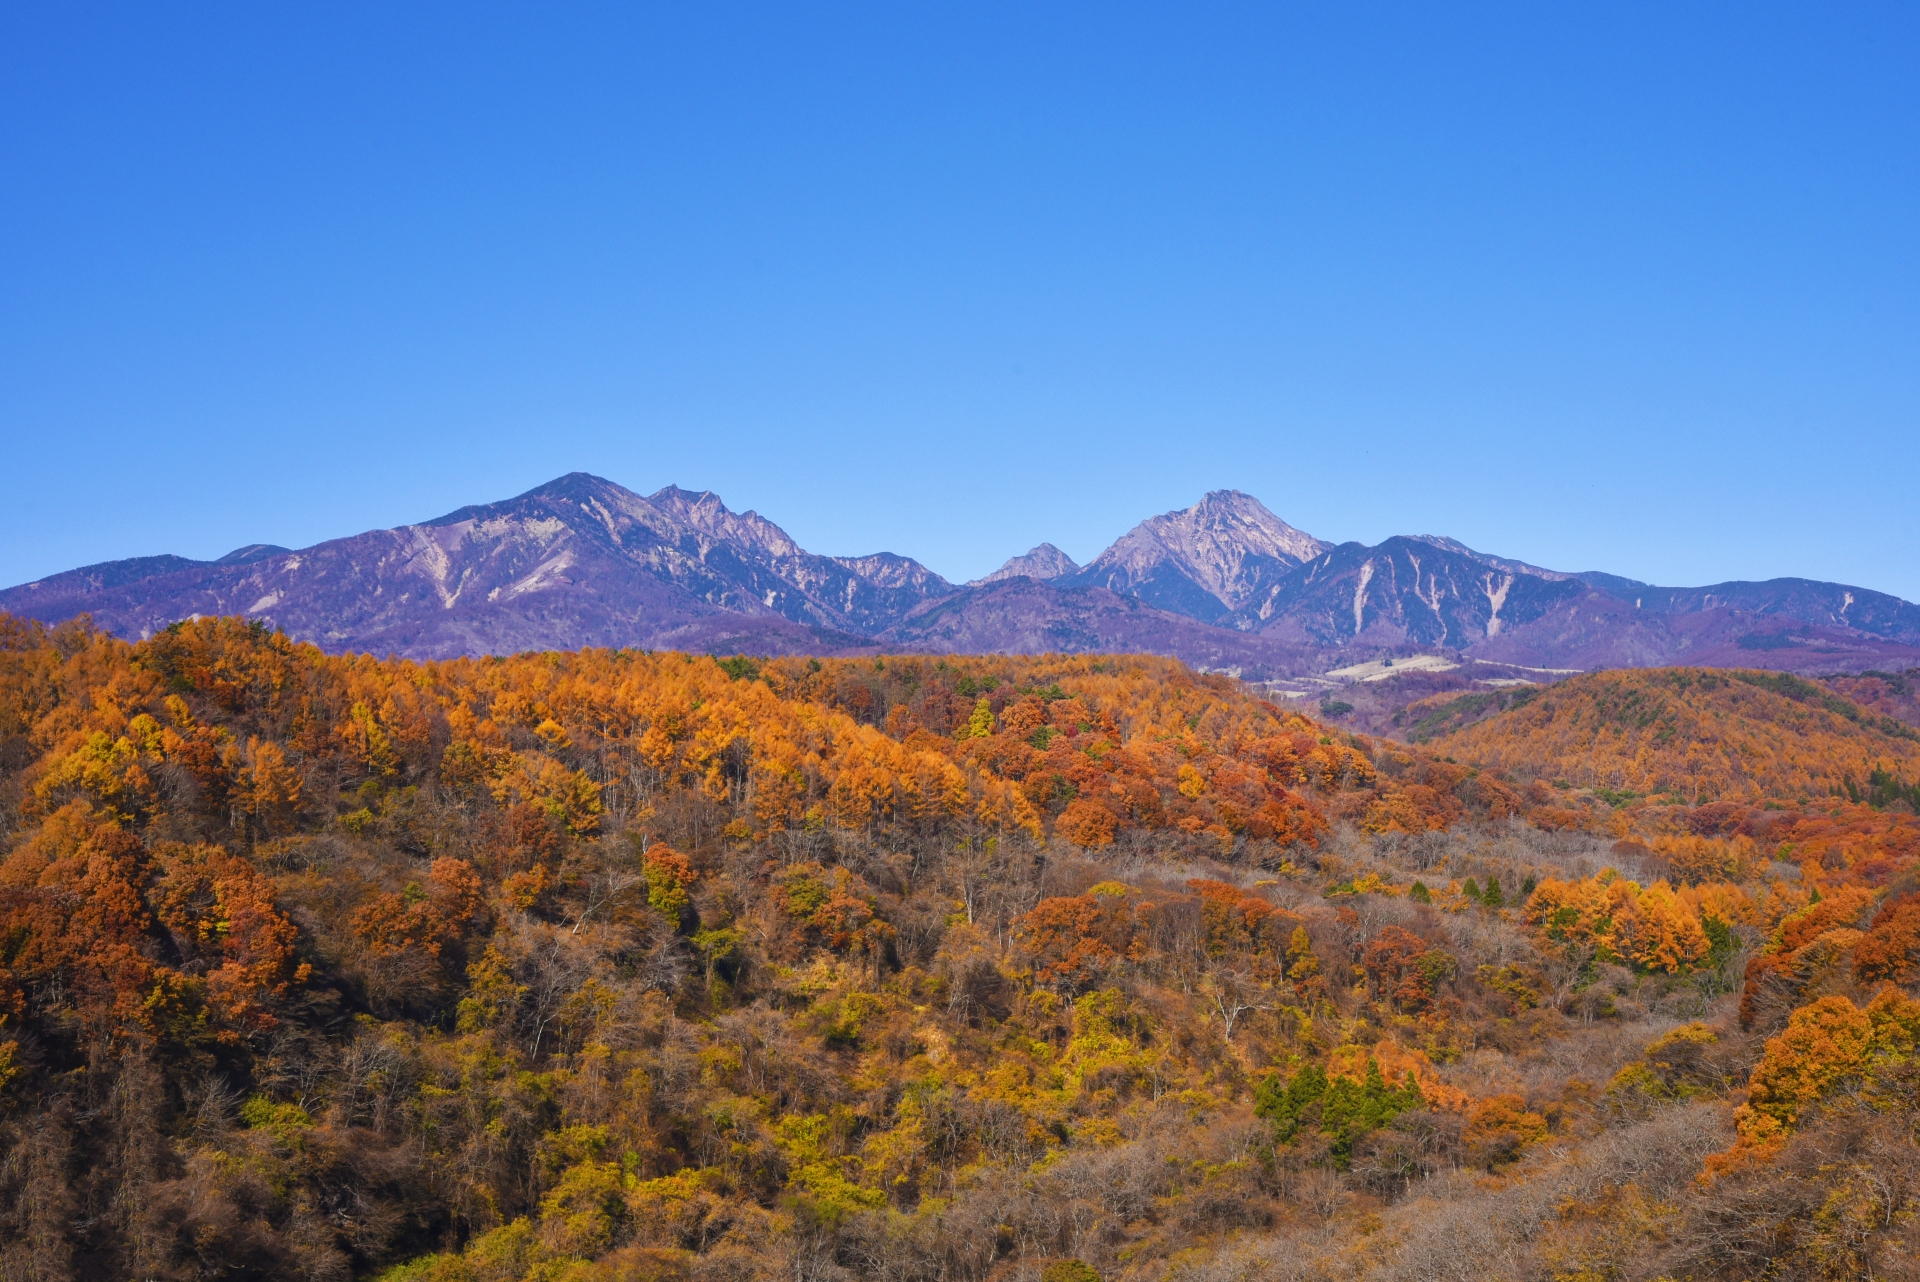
[
  {"x": 1820, "y": 604},
  {"x": 1044, "y": 562},
  {"x": 1224, "y": 584},
  {"x": 1024, "y": 615},
  {"x": 1427, "y": 593}
]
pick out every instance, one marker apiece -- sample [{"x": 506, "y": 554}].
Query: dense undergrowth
[{"x": 614, "y": 965}]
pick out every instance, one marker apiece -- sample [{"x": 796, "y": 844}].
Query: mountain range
[{"x": 1224, "y": 584}]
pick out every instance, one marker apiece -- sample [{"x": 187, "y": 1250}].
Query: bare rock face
[
  {"x": 1224, "y": 584},
  {"x": 1207, "y": 561},
  {"x": 1044, "y": 563}
]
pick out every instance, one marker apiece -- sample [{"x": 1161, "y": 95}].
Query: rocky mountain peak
[
  {"x": 706, "y": 514},
  {"x": 1227, "y": 546},
  {"x": 1043, "y": 562},
  {"x": 577, "y": 487},
  {"x": 1227, "y": 521}
]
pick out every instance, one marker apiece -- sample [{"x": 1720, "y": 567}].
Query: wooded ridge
[{"x": 608, "y": 964}]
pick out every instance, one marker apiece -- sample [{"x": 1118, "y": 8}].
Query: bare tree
[
  {"x": 1234, "y": 992},
  {"x": 603, "y": 887}
]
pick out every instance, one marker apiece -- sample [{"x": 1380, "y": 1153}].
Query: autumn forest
[{"x": 614, "y": 965}]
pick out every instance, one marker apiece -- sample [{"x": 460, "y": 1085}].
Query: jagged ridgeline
[
  {"x": 1224, "y": 584},
  {"x": 625, "y": 965}
]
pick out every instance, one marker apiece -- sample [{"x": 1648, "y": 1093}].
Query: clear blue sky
[{"x": 1615, "y": 287}]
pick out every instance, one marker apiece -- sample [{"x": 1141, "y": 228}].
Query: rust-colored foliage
[
  {"x": 417, "y": 919},
  {"x": 837, "y": 906},
  {"x": 1072, "y": 939},
  {"x": 1499, "y": 1127},
  {"x": 1891, "y": 949},
  {"x": 1826, "y": 1043},
  {"x": 1808, "y": 939},
  {"x": 1403, "y": 970},
  {"x": 1240, "y": 923},
  {"x": 85, "y": 904},
  {"x": 1652, "y": 927},
  {"x": 220, "y": 914}
]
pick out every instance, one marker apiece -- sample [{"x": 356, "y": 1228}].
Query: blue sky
[{"x": 1605, "y": 287}]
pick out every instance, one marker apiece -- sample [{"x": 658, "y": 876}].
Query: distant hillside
[
  {"x": 1890, "y": 694},
  {"x": 1695, "y": 734}
]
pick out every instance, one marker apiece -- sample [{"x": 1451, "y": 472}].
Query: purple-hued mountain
[
  {"x": 579, "y": 561},
  {"x": 1044, "y": 562},
  {"x": 1224, "y": 584},
  {"x": 1022, "y": 615}
]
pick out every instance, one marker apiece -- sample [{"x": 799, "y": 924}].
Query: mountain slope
[
  {"x": 1800, "y": 600},
  {"x": 1407, "y": 591},
  {"x": 1438, "y": 593}
]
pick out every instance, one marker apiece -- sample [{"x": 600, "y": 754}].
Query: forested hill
[
  {"x": 1692, "y": 733},
  {"x": 614, "y": 965}
]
